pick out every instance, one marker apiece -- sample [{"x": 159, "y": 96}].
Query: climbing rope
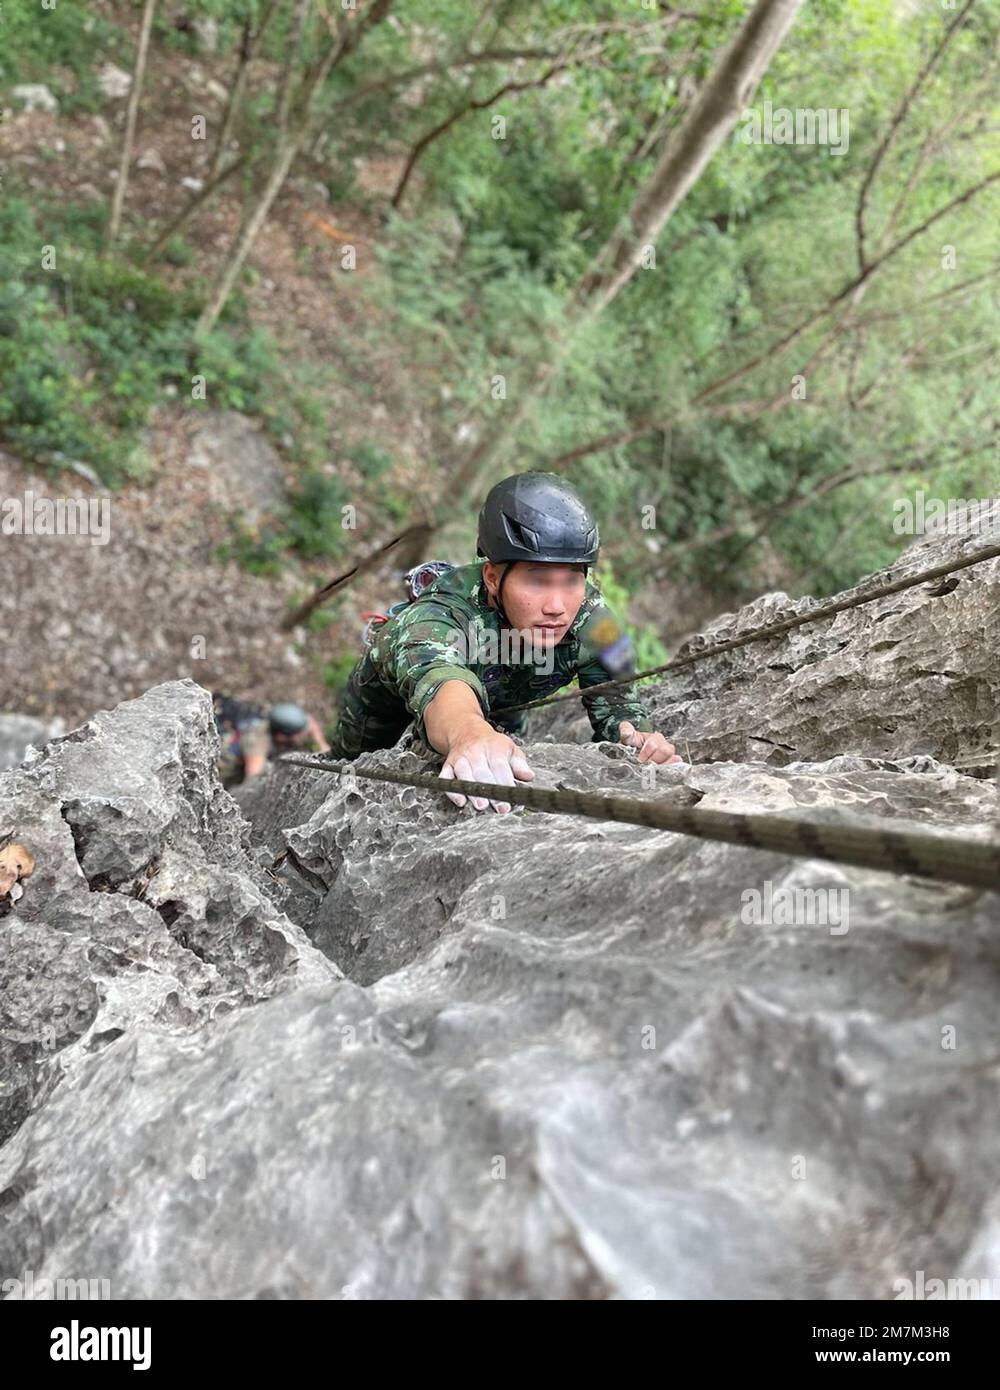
[{"x": 869, "y": 844}]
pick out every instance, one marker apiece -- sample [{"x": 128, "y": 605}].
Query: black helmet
[
  {"x": 537, "y": 516},
  {"x": 287, "y": 719}
]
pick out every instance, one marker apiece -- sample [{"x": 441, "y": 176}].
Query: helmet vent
[{"x": 521, "y": 535}]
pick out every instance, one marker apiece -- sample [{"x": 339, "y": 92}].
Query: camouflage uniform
[{"x": 450, "y": 633}]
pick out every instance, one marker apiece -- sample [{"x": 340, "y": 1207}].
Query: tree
[
  {"x": 128, "y": 141},
  {"x": 687, "y": 151}
]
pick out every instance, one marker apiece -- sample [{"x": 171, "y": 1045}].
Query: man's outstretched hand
[
  {"x": 653, "y": 748},
  {"x": 482, "y": 754}
]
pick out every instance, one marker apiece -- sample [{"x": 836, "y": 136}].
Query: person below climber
[
  {"x": 250, "y": 737},
  {"x": 435, "y": 662}
]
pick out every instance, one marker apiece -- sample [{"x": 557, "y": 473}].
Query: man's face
[{"x": 541, "y": 600}]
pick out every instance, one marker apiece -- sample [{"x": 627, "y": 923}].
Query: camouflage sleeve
[
  {"x": 422, "y": 648},
  {"x": 608, "y": 710}
]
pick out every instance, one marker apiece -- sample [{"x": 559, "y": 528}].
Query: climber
[
  {"x": 435, "y": 662},
  {"x": 250, "y": 737}
]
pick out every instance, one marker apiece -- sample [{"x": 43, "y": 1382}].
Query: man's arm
[
  {"x": 617, "y": 716},
  {"x": 255, "y": 746},
  {"x": 623, "y": 718},
  {"x": 423, "y": 654},
  {"x": 472, "y": 749},
  {"x": 609, "y": 710},
  {"x": 316, "y": 734},
  {"x": 419, "y": 650},
  {"x": 602, "y": 630}
]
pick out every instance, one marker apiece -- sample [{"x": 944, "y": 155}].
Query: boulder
[
  {"x": 113, "y": 82},
  {"x": 144, "y": 909},
  {"x": 244, "y": 471},
  {"x": 35, "y": 96}
]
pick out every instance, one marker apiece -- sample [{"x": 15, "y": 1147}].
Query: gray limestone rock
[
  {"x": 244, "y": 472},
  {"x": 144, "y": 909}
]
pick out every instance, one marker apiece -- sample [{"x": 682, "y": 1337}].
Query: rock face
[
  {"x": 145, "y": 912},
  {"x": 529, "y": 1056}
]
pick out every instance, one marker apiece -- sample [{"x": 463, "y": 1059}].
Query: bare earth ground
[{"x": 88, "y": 625}]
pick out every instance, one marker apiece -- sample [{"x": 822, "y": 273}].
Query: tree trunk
[
  {"x": 189, "y": 210},
  {"x": 712, "y": 116},
  {"x": 139, "y": 71},
  {"x": 288, "y": 77},
  {"x": 688, "y": 149},
  {"x": 248, "y": 51}
]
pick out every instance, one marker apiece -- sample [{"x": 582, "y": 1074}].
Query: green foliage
[
  {"x": 62, "y": 47},
  {"x": 46, "y": 404},
  {"x": 314, "y": 524},
  {"x": 259, "y": 553},
  {"x": 312, "y": 529},
  {"x": 87, "y": 349},
  {"x": 371, "y": 460}
]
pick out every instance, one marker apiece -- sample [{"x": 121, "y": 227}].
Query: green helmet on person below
[
  {"x": 537, "y": 516},
  {"x": 287, "y": 719}
]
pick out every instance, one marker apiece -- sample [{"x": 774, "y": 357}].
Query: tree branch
[
  {"x": 778, "y": 346},
  {"x": 901, "y": 113},
  {"x": 478, "y": 105}
]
